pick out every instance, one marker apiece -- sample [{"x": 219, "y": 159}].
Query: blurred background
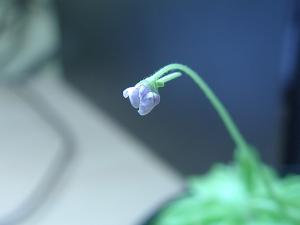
[{"x": 74, "y": 151}]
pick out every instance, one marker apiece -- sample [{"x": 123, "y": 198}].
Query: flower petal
[
  {"x": 156, "y": 99},
  {"x": 147, "y": 103},
  {"x": 143, "y": 111},
  {"x": 143, "y": 91},
  {"x": 126, "y": 92},
  {"x": 134, "y": 97}
]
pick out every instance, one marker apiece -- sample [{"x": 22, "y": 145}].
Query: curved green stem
[
  {"x": 244, "y": 155},
  {"x": 223, "y": 113},
  {"x": 252, "y": 170}
]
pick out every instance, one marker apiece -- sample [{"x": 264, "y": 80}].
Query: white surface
[{"x": 112, "y": 180}]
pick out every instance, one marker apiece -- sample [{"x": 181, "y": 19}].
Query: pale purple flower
[{"x": 142, "y": 97}]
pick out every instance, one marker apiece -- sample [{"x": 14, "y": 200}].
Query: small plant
[{"x": 246, "y": 192}]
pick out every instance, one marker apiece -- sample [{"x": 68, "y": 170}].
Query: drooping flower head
[{"x": 142, "y": 97}]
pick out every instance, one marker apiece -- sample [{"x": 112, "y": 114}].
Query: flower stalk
[
  {"x": 219, "y": 107},
  {"x": 245, "y": 157},
  {"x": 251, "y": 171}
]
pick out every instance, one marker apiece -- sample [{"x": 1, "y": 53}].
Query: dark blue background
[{"x": 237, "y": 46}]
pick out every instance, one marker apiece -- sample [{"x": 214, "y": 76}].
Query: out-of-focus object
[
  {"x": 112, "y": 178},
  {"x": 61, "y": 160},
  {"x": 291, "y": 71},
  {"x": 29, "y": 37}
]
